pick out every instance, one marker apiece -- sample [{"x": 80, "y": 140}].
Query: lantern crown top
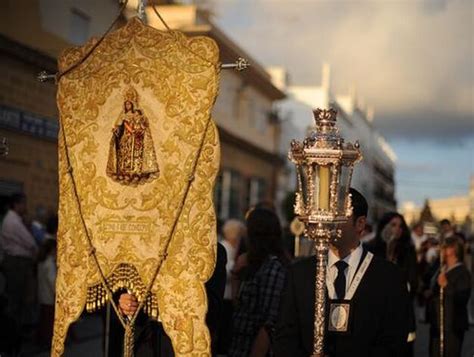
[
  {"x": 325, "y": 119},
  {"x": 325, "y": 136}
]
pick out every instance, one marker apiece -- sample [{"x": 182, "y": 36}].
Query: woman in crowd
[
  {"x": 46, "y": 291},
  {"x": 393, "y": 242},
  {"x": 261, "y": 273},
  {"x": 233, "y": 233}
]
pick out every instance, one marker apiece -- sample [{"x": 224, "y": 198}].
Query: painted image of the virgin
[{"x": 132, "y": 157}]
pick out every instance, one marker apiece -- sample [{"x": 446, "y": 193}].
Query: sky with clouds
[{"x": 412, "y": 60}]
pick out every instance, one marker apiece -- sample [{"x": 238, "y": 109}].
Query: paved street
[{"x": 88, "y": 340}]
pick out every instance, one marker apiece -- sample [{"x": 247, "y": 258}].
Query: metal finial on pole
[
  {"x": 44, "y": 76},
  {"x": 239, "y": 65}
]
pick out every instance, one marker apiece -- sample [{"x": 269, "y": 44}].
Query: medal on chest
[{"x": 339, "y": 316}]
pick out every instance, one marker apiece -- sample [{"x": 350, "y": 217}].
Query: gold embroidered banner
[{"x": 134, "y": 114}]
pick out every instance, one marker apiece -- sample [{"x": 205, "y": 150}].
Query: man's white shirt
[
  {"x": 353, "y": 260},
  {"x": 15, "y": 238}
]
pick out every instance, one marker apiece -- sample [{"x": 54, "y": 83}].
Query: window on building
[
  {"x": 251, "y": 112},
  {"x": 225, "y": 103},
  {"x": 242, "y": 106},
  {"x": 261, "y": 121},
  {"x": 235, "y": 98},
  {"x": 8, "y": 188},
  {"x": 235, "y": 209},
  {"x": 227, "y": 195},
  {"x": 256, "y": 190},
  {"x": 248, "y": 193},
  {"x": 79, "y": 27},
  {"x": 240, "y": 100}
]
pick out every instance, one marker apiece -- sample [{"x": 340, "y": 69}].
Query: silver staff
[{"x": 324, "y": 166}]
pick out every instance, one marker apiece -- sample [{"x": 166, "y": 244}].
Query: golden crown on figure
[{"x": 131, "y": 95}]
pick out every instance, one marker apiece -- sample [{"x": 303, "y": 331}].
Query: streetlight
[{"x": 324, "y": 166}]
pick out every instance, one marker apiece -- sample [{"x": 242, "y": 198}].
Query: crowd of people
[
  {"x": 261, "y": 298},
  {"x": 268, "y": 295},
  {"x": 27, "y": 276}
]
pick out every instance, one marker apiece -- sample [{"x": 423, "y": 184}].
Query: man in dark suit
[
  {"x": 456, "y": 281},
  {"x": 379, "y": 307}
]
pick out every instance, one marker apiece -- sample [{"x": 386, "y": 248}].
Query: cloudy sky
[{"x": 412, "y": 60}]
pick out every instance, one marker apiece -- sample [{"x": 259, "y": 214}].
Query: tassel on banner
[
  {"x": 128, "y": 341},
  {"x": 125, "y": 277}
]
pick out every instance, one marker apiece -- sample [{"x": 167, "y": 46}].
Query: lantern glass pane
[
  {"x": 322, "y": 183},
  {"x": 304, "y": 184},
  {"x": 324, "y": 186},
  {"x": 344, "y": 185},
  {"x": 315, "y": 188}
]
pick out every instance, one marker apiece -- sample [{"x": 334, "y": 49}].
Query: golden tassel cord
[
  {"x": 124, "y": 277},
  {"x": 128, "y": 341}
]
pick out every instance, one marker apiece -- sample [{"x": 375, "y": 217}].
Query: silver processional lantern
[{"x": 324, "y": 166}]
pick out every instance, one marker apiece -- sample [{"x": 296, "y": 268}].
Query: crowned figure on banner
[{"x": 132, "y": 157}]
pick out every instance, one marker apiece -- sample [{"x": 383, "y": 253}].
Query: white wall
[{"x": 243, "y": 111}]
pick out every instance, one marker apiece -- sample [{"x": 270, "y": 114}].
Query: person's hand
[
  {"x": 128, "y": 304},
  {"x": 442, "y": 280}
]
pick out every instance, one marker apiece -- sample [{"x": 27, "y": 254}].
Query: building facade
[
  {"x": 458, "y": 209},
  {"x": 32, "y": 34}
]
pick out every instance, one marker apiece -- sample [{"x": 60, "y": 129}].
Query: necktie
[{"x": 340, "y": 282}]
